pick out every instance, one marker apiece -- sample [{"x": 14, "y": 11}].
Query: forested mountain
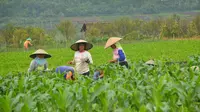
[{"x": 51, "y": 8}]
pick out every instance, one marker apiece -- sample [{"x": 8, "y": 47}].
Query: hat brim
[
  {"x": 88, "y": 46},
  {"x": 112, "y": 41},
  {"x": 45, "y": 55}
]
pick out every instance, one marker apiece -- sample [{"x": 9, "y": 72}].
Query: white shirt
[{"x": 80, "y": 59}]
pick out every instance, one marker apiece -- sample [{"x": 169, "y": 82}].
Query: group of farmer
[{"x": 82, "y": 59}]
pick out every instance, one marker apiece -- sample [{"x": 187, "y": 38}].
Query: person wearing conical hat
[
  {"x": 150, "y": 62},
  {"x": 118, "y": 53},
  {"x": 82, "y": 58},
  {"x": 27, "y": 43},
  {"x": 195, "y": 68},
  {"x": 39, "y": 61}
]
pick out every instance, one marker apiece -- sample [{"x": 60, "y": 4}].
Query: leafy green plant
[{"x": 163, "y": 87}]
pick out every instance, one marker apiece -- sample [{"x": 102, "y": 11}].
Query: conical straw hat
[
  {"x": 40, "y": 51},
  {"x": 111, "y": 41},
  {"x": 29, "y": 39},
  {"x": 150, "y": 62},
  {"x": 74, "y": 46}
]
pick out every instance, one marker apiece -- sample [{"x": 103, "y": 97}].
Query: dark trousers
[
  {"x": 124, "y": 63},
  {"x": 86, "y": 74}
]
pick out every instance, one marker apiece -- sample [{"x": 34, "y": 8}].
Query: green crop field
[
  {"x": 164, "y": 87},
  {"x": 175, "y": 50}
]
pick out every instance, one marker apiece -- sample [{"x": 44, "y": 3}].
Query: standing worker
[
  {"x": 118, "y": 52},
  {"x": 26, "y": 43},
  {"x": 82, "y": 58}
]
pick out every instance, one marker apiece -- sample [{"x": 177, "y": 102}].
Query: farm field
[
  {"x": 178, "y": 50},
  {"x": 163, "y": 87},
  {"x": 160, "y": 42}
]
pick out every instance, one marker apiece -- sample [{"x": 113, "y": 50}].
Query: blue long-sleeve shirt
[
  {"x": 121, "y": 55},
  {"x": 64, "y": 69}
]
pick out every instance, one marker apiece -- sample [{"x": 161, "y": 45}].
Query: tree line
[
  {"x": 172, "y": 27},
  {"x": 51, "y": 8}
]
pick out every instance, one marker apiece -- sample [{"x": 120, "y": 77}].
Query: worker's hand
[
  {"x": 87, "y": 61},
  {"x": 112, "y": 61},
  {"x": 84, "y": 60},
  {"x": 69, "y": 75},
  {"x": 70, "y": 62},
  {"x": 101, "y": 74}
]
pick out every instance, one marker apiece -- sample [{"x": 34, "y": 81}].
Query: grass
[
  {"x": 178, "y": 50},
  {"x": 160, "y": 88}
]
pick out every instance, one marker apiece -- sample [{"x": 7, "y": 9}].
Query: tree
[
  {"x": 192, "y": 29},
  {"x": 7, "y": 33},
  {"x": 35, "y": 8},
  {"x": 19, "y": 35},
  {"x": 197, "y": 23},
  {"x": 67, "y": 29}
]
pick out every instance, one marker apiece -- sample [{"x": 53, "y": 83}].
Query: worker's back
[{"x": 26, "y": 43}]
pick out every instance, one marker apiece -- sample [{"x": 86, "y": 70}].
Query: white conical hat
[
  {"x": 40, "y": 51},
  {"x": 74, "y": 46},
  {"x": 150, "y": 62},
  {"x": 111, "y": 41},
  {"x": 195, "y": 68}
]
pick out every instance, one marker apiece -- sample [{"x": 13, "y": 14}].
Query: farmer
[
  {"x": 118, "y": 52},
  {"x": 39, "y": 61},
  {"x": 99, "y": 73},
  {"x": 150, "y": 62},
  {"x": 82, "y": 58},
  {"x": 195, "y": 68},
  {"x": 67, "y": 71},
  {"x": 26, "y": 43}
]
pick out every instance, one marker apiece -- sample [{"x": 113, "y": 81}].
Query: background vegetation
[
  {"x": 52, "y": 8},
  {"x": 173, "y": 27}
]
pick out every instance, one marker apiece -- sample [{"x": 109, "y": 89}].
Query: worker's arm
[
  {"x": 30, "y": 43},
  {"x": 32, "y": 66}
]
